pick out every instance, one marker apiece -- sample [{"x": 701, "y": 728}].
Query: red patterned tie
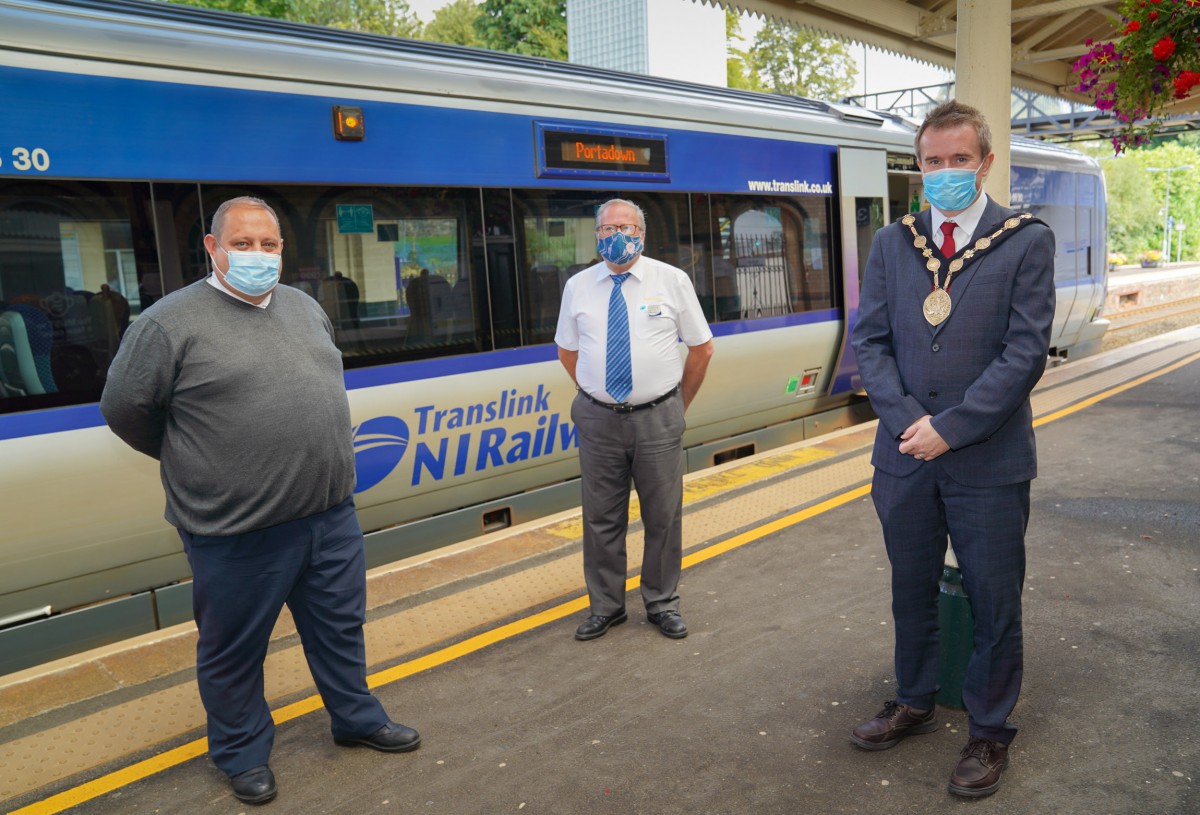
[{"x": 948, "y": 241}]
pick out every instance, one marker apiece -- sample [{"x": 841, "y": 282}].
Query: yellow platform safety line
[
  {"x": 178, "y": 755},
  {"x": 710, "y": 485},
  {"x": 1099, "y": 397}
]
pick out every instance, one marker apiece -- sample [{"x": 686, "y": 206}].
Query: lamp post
[{"x": 1167, "y": 209}]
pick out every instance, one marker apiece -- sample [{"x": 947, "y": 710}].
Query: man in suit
[
  {"x": 619, "y": 329},
  {"x": 952, "y": 335},
  {"x": 235, "y": 386}
]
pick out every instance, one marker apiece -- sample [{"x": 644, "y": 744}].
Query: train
[{"x": 434, "y": 200}]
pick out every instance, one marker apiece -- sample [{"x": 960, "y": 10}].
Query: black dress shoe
[
  {"x": 597, "y": 625},
  {"x": 255, "y": 786},
  {"x": 669, "y": 623},
  {"x": 391, "y": 738}
]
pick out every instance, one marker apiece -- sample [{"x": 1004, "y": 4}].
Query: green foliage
[
  {"x": 391, "y": 17},
  {"x": 260, "y": 8},
  {"x": 737, "y": 64},
  {"x": 534, "y": 27},
  {"x": 799, "y": 62},
  {"x": 1137, "y": 196},
  {"x": 456, "y": 23}
]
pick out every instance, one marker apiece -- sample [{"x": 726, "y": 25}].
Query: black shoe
[
  {"x": 669, "y": 623},
  {"x": 255, "y": 786},
  {"x": 391, "y": 738},
  {"x": 597, "y": 625}
]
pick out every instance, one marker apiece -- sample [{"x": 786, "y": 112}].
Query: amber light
[{"x": 348, "y": 123}]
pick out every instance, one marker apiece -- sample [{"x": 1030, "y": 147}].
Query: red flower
[
  {"x": 1134, "y": 25},
  {"x": 1153, "y": 15},
  {"x": 1185, "y": 82},
  {"x": 1163, "y": 49}
]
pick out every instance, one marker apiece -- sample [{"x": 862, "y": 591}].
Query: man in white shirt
[{"x": 618, "y": 337}]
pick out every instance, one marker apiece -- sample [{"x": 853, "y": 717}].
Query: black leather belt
[{"x": 625, "y": 407}]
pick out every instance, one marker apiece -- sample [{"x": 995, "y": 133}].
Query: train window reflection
[
  {"x": 390, "y": 267},
  {"x": 769, "y": 255},
  {"x": 75, "y": 268},
  {"x": 558, "y": 235}
]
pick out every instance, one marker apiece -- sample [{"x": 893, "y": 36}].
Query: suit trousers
[
  {"x": 647, "y": 447},
  {"x": 316, "y": 565},
  {"x": 987, "y": 528}
]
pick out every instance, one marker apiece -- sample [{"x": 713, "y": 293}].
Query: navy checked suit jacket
[{"x": 975, "y": 371}]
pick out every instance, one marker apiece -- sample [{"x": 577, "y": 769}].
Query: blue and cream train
[{"x": 434, "y": 200}]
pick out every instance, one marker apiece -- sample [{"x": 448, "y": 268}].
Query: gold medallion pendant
[{"x": 936, "y": 306}]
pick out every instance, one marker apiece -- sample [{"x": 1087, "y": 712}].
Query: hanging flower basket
[{"x": 1152, "y": 63}]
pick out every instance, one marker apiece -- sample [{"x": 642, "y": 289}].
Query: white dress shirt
[
  {"x": 965, "y": 222},
  {"x": 663, "y": 310},
  {"x": 216, "y": 284}
]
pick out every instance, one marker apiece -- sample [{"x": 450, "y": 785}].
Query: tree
[
  {"x": 1136, "y": 197},
  {"x": 800, "y": 62},
  {"x": 456, "y": 23},
  {"x": 737, "y": 71},
  {"x": 534, "y": 27},
  {"x": 391, "y": 17}
]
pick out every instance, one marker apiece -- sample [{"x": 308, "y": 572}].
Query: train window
[
  {"x": 770, "y": 256},
  {"x": 391, "y": 267},
  {"x": 557, "y": 235},
  {"x": 77, "y": 263}
]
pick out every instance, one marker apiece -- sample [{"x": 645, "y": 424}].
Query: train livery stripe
[
  {"x": 193, "y": 749},
  {"x": 80, "y": 417},
  {"x": 408, "y": 144}
]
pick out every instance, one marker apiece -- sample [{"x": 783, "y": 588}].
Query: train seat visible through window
[{"x": 25, "y": 339}]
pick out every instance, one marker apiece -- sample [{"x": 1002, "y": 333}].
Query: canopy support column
[{"x": 983, "y": 76}]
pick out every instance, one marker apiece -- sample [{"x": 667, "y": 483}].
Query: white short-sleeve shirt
[{"x": 663, "y": 310}]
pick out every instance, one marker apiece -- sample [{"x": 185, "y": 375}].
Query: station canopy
[{"x": 1047, "y": 35}]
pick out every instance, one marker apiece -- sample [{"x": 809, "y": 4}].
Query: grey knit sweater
[{"x": 245, "y": 408}]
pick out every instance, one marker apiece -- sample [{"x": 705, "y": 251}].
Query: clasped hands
[{"x": 921, "y": 441}]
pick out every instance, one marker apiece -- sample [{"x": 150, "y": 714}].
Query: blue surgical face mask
[
  {"x": 619, "y": 249},
  {"x": 252, "y": 273},
  {"x": 952, "y": 189}
]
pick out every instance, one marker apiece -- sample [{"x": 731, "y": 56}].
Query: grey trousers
[{"x": 647, "y": 447}]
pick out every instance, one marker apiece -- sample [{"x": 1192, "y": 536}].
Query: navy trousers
[
  {"x": 240, "y": 583},
  {"x": 987, "y": 528}
]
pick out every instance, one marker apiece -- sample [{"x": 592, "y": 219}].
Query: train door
[
  {"x": 863, "y": 197},
  {"x": 1085, "y": 256}
]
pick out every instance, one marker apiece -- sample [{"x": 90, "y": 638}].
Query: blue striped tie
[{"x": 618, "y": 373}]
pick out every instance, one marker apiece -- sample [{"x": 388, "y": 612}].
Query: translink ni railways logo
[{"x": 461, "y": 439}]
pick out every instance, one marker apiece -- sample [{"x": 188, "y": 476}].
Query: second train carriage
[{"x": 438, "y": 244}]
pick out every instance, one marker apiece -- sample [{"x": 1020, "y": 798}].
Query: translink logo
[{"x": 513, "y": 436}]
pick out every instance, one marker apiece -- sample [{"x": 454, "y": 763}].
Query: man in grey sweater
[{"x": 235, "y": 386}]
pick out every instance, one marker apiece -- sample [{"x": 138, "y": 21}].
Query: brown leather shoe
[
  {"x": 893, "y": 723},
  {"x": 979, "y": 769}
]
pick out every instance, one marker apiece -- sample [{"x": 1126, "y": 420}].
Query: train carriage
[{"x": 434, "y": 200}]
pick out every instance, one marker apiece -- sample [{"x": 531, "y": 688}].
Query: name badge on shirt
[{"x": 652, "y": 308}]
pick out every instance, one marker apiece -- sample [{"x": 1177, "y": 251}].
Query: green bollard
[{"x": 957, "y": 638}]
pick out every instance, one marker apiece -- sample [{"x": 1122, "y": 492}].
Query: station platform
[
  {"x": 786, "y": 594},
  {"x": 1138, "y": 287}
]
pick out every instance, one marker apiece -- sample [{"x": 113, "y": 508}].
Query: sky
[{"x": 877, "y": 71}]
